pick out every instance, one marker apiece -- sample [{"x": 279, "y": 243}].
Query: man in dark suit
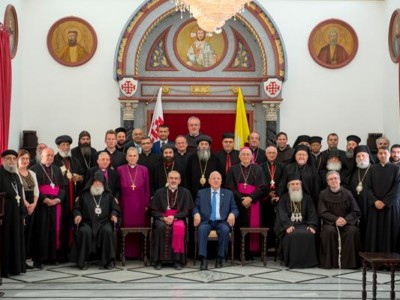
[
  {"x": 227, "y": 156},
  {"x": 163, "y": 133},
  {"x": 215, "y": 210},
  {"x": 111, "y": 176}
]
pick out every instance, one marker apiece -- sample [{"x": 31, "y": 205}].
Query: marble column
[
  {"x": 128, "y": 108},
  {"x": 271, "y": 120}
]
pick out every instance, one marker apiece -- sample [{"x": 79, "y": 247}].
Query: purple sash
[
  {"x": 53, "y": 191},
  {"x": 254, "y": 216},
  {"x": 178, "y": 233}
]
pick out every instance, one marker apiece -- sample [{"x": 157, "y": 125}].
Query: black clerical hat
[
  {"x": 353, "y": 138},
  {"x": 9, "y": 152},
  {"x": 99, "y": 176},
  {"x": 301, "y": 148},
  {"x": 301, "y": 139},
  {"x": 315, "y": 139},
  {"x": 120, "y": 129},
  {"x": 63, "y": 139},
  {"x": 167, "y": 146},
  {"x": 334, "y": 152},
  {"x": 84, "y": 133},
  {"x": 228, "y": 135},
  {"x": 205, "y": 138},
  {"x": 362, "y": 148},
  {"x": 294, "y": 176}
]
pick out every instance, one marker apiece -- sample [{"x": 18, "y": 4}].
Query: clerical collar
[
  {"x": 173, "y": 189},
  {"x": 194, "y": 135},
  {"x": 111, "y": 150},
  {"x": 47, "y": 166},
  {"x": 244, "y": 165},
  {"x": 132, "y": 166}
]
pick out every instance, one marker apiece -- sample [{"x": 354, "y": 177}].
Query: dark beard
[{"x": 86, "y": 150}]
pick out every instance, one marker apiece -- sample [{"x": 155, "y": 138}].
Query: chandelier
[{"x": 211, "y": 14}]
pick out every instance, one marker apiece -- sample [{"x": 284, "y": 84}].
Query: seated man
[
  {"x": 94, "y": 213},
  {"x": 215, "y": 210},
  {"x": 169, "y": 208},
  {"x": 340, "y": 237},
  {"x": 296, "y": 224}
]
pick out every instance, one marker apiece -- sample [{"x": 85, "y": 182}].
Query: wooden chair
[
  {"x": 144, "y": 231},
  {"x": 212, "y": 236}
]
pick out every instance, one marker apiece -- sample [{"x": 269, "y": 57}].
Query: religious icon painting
[
  {"x": 71, "y": 41},
  {"x": 394, "y": 36},
  {"x": 333, "y": 43},
  {"x": 197, "y": 49},
  {"x": 11, "y": 21}
]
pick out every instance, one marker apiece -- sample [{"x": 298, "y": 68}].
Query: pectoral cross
[{"x": 133, "y": 186}]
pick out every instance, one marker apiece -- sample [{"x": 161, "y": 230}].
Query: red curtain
[{"x": 5, "y": 87}]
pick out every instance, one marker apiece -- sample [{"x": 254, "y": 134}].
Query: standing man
[
  {"x": 352, "y": 142},
  {"x": 95, "y": 212},
  {"x": 52, "y": 187},
  {"x": 12, "y": 229},
  {"x": 73, "y": 175},
  {"x": 316, "y": 155},
  {"x": 182, "y": 155},
  {"x": 333, "y": 142},
  {"x": 137, "y": 135},
  {"x": 215, "y": 210},
  {"x": 383, "y": 223},
  {"x": 163, "y": 134},
  {"x": 395, "y": 154},
  {"x": 285, "y": 152},
  {"x": 169, "y": 208},
  {"x": 84, "y": 152},
  {"x": 38, "y": 157},
  {"x": 258, "y": 153},
  {"x": 228, "y": 156},
  {"x": 339, "y": 237},
  {"x": 246, "y": 181},
  {"x": 193, "y": 124},
  {"x": 117, "y": 157},
  {"x": 135, "y": 197},
  {"x": 121, "y": 139},
  {"x": 148, "y": 158}
]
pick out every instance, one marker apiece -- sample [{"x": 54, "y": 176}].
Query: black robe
[
  {"x": 258, "y": 156},
  {"x": 149, "y": 160},
  {"x": 285, "y": 156},
  {"x": 112, "y": 181},
  {"x": 45, "y": 219},
  {"x": 12, "y": 228},
  {"x": 222, "y": 155},
  {"x": 162, "y": 233},
  {"x": 159, "y": 173},
  {"x": 86, "y": 162},
  {"x": 182, "y": 158},
  {"x": 299, "y": 247},
  {"x": 95, "y": 233},
  {"x": 117, "y": 158},
  {"x": 331, "y": 206},
  {"x": 383, "y": 226},
  {"x": 318, "y": 161},
  {"x": 361, "y": 175}
]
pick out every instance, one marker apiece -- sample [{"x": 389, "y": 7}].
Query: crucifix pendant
[
  {"x": 245, "y": 185},
  {"x": 18, "y": 198},
  {"x": 52, "y": 185},
  {"x": 133, "y": 186}
]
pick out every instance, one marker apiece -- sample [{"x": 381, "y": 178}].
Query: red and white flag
[{"x": 158, "y": 118}]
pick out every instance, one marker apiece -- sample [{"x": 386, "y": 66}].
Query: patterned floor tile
[
  {"x": 288, "y": 276},
  {"x": 382, "y": 277},
  {"x": 40, "y": 275},
  {"x": 121, "y": 276},
  {"x": 205, "y": 276}
]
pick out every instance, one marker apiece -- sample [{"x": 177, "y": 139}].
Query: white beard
[
  {"x": 363, "y": 164},
  {"x": 64, "y": 154},
  {"x": 296, "y": 196},
  {"x": 350, "y": 153},
  {"x": 10, "y": 168},
  {"x": 204, "y": 155},
  {"x": 334, "y": 166},
  {"x": 96, "y": 191}
]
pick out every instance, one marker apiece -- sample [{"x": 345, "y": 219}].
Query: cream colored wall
[{"x": 357, "y": 99}]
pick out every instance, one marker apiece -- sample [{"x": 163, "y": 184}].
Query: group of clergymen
[{"x": 322, "y": 208}]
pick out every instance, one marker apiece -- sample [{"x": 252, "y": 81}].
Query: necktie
[
  {"x": 228, "y": 163},
  {"x": 162, "y": 144},
  {"x": 214, "y": 206}
]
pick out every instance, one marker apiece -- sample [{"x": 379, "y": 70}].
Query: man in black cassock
[
  {"x": 84, "y": 152},
  {"x": 296, "y": 226},
  {"x": 148, "y": 158},
  {"x": 339, "y": 237},
  {"x": 169, "y": 208},
  {"x": 302, "y": 164},
  {"x": 334, "y": 163},
  {"x": 246, "y": 181},
  {"x": 161, "y": 169},
  {"x": 49, "y": 213},
  {"x": 359, "y": 178},
  {"x": 12, "y": 228},
  {"x": 285, "y": 152},
  {"x": 254, "y": 145},
  {"x": 121, "y": 139},
  {"x": 95, "y": 213},
  {"x": 227, "y": 156},
  {"x": 73, "y": 175},
  {"x": 352, "y": 142},
  {"x": 117, "y": 157},
  {"x": 318, "y": 160},
  {"x": 383, "y": 223},
  {"x": 274, "y": 173}
]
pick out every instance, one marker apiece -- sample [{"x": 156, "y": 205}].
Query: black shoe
[
  {"x": 108, "y": 266},
  {"x": 38, "y": 265},
  {"x": 218, "y": 263},
  {"x": 177, "y": 265},
  {"x": 85, "y": 266},
  {"x": 158, "y": 265},
  {"x": 29, "y": 267},
  {"x": 203, "y": 264}
]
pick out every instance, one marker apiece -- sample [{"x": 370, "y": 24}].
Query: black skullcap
[
  {"x": 334, "y": 152},
  {"x": 84, "y": 133},
  {"x": 315, "y": 139},
  {"x": 301, "y": 139},
  {"x": 228, "y": 135},
  {"x": 9, "y": 152},
  {"x": 63, "y": 139},
  {"x": 361, "y": 148},
  {"x": 301, "y": 148},
  {"x": 167, "y": 146},
  {"x": 353, "y": 138},
  {"x": 294, "y": 176},
  {"x": 99, "y": 176},
  {"x": 120, "y": 129},
  {"x": 202, "y": 138}
]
